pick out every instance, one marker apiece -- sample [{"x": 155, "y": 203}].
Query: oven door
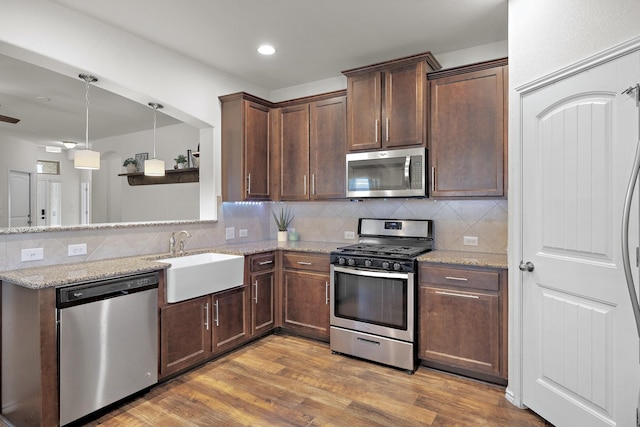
[{"x": 377, "y": 302}]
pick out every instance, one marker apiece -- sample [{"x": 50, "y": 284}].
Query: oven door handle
[{"x": 371, "y": 273}]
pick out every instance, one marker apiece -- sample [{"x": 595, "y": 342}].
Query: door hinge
[
  {"x": 637, "y": 417},
  {"x": 637, "y": 256}
]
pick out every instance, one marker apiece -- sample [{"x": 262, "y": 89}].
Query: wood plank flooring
[{"x": 289, "y": 381}]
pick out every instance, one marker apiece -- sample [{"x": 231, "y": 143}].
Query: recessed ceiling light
[{"x": 266, "y": 49}]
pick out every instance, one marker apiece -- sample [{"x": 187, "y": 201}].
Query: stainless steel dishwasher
[{"x": 107, "y": 342}]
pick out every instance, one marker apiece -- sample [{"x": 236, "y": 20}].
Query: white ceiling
[{"x": 315, "y": 40}]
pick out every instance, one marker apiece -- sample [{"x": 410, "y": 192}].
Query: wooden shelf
[{"x": 172, "y": 176}]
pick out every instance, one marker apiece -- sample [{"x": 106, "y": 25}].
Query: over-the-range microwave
[{"x": 392, "y": 173}]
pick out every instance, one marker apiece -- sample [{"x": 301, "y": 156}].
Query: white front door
[{"x": 579, "y": 342}]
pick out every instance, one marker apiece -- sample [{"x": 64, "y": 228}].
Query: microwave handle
[{"x": 407, "y": 173}]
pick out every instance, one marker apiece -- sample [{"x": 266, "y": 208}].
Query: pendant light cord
[
  {"x": 155, "y": 108},
  {"x": 87, "y": 126}
]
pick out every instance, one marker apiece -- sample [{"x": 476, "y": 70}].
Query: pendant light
[
  {"x": 87, "y": 159},
  {"x": 154, "y": 167}
]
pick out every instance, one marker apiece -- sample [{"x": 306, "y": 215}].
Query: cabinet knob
[{"x": 526, "y": 266}]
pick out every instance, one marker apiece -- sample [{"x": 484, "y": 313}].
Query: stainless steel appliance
[
  {"x": 373, "y": 291},
  {"x": 393, "y": 173},
  {"x": 107, "y": 342}
]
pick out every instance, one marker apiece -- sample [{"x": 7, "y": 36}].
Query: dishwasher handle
[{"x": 85, "y": 293}]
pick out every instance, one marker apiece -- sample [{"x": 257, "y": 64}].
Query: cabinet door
[
  {"x": 405, "y": 101},
  {"x": 460, "y": 329},
  {"x": 363, "y": 111},
  {"x": 306, "y": 303},
  {"x": 468, "y": 134},
  {"x": 185, "y": 337},
  {"x": 327, "y": 148},
  {"x": 229, "y": 318},
  {"x": 294, "y": 153},
  {"x": 256, "y": 154},
  {"x": 262, "y": 302}
]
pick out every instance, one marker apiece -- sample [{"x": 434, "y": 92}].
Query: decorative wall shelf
[{"x": 172, "y": 176}]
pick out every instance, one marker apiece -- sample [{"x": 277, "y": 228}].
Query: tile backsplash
[{"x": 315, "y": 221}]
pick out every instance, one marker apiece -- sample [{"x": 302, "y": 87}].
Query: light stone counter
[
  {"x": 66, "y": 274},
  {"x": 474, "y": 259}
]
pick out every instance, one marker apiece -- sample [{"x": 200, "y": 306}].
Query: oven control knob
[
  {"x": 368, "y": 263},
  {"x": 341, "y": 261},
  {"x": 352, "y": 262},
  {"x": 396, "y": 266},
  {"x": 386, "y": 265}
]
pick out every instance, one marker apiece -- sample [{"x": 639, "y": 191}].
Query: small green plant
[
  {"x": 283, "y": 219},
  {"x": 130, "y": 161},
  {"x": 181, "y": 158}
]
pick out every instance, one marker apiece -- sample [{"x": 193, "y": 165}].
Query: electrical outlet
[
  {"x": 76, "y": 250},
  {"x": 349, "y": 235},
  {"x": 470, "y": 240},
  {"x": 33, "y": 254},
  {"x": 243, "y": 232},
  {"x": 230, "y": 233}
]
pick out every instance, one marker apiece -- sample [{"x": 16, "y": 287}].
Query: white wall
[{"x": 16, "y": 155}]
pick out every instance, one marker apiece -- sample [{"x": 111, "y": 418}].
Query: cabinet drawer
[
  {"x": 465, "y": 278},
  {"x": 305, "y": 261},
  {"x": 266, "y": 261}
]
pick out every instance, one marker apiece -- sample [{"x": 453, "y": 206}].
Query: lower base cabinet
[
  {"x": 462, "y": 321},
  {"x": 193, "y": 331},
  {"x": 305, "y": 282}
]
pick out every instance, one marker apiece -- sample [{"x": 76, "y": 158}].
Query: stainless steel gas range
[{"x": 373, "y": 291}]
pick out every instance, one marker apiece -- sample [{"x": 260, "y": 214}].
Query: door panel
[{"x": 580, "y": 347}]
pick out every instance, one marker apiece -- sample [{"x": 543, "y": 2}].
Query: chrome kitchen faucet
[{"x": 182, "y": 237}]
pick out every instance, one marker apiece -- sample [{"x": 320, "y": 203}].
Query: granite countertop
[
  {"x": 66, "y": 274},
  {"x": 475, "y": 259}
]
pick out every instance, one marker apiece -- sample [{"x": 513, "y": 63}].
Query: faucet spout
[{"x": 181, "y": 239}]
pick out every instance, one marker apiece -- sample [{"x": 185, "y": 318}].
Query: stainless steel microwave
[{"x": 393, "y": 173}]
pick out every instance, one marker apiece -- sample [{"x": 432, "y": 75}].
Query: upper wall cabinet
[
  {"x": 245, "y": 147},
  {"x": 388, "y": 103},
  {"x": 468, "y": 143},
  {"x": 311, "y": 147}
]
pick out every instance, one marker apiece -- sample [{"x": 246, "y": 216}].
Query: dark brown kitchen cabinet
[
  {"x": 262, "y": 282},
  {"x": 468, "y": 142},
  {"x": 185, "y": 339},
  {"x": 229, "y": 319},
  {"x": 311, "y": 145},
  {"x": 462, "y": 321},
  {"x": 193, "y": 331},
  {"x": 245, "y": 147},
  {"x": 388, "y": 103},
  {"x": 305, "y": 289}
]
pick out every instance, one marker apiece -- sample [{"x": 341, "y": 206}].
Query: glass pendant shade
[
  {"x": 154, "y": 167},
  {"x": 86, "y": 159}
]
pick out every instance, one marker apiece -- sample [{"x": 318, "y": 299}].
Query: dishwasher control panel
[{"x": 86, "y": 292}]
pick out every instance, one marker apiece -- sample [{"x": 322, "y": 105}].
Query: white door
[
  {"x": 19, "y": 199},
  {"x": 579, "y": 342}
]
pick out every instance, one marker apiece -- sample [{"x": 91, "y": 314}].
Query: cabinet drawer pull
[
  {"x": 433, "y": 179},
  {"x": 217, "y": 315},
  {"x": 304, "y": 263},
  {"x": 313, "y": 184},
  {"x": 376, "y": 125},
  {"x": 453, "y": 294},
  {"x": 255, "y": 297},
  {"x": 266, "y": 262},
  {"x": 459, "y": 279},
  {"x": 305, "y": 184},
  {"x": 369, "y": 341},
  {"x": 249, "y": 184},
  {"x": 206, "y": 316},
  {"x": 326, "y": 293},
  {"x": 388, "y": 121}
]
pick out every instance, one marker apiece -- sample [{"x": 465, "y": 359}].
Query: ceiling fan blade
[{"x": 8, "y": 119}]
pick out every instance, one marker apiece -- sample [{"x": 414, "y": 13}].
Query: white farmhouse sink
[{"x": 192, "y": 276}]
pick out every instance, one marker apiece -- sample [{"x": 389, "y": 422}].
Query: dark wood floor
[{"x": 290, "y": 381}]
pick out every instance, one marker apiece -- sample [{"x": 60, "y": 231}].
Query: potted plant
[
  {"x": 181, "y": 161},
  {"x": 131, "y": 164},
  {"x": 282, "y": 222}
]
